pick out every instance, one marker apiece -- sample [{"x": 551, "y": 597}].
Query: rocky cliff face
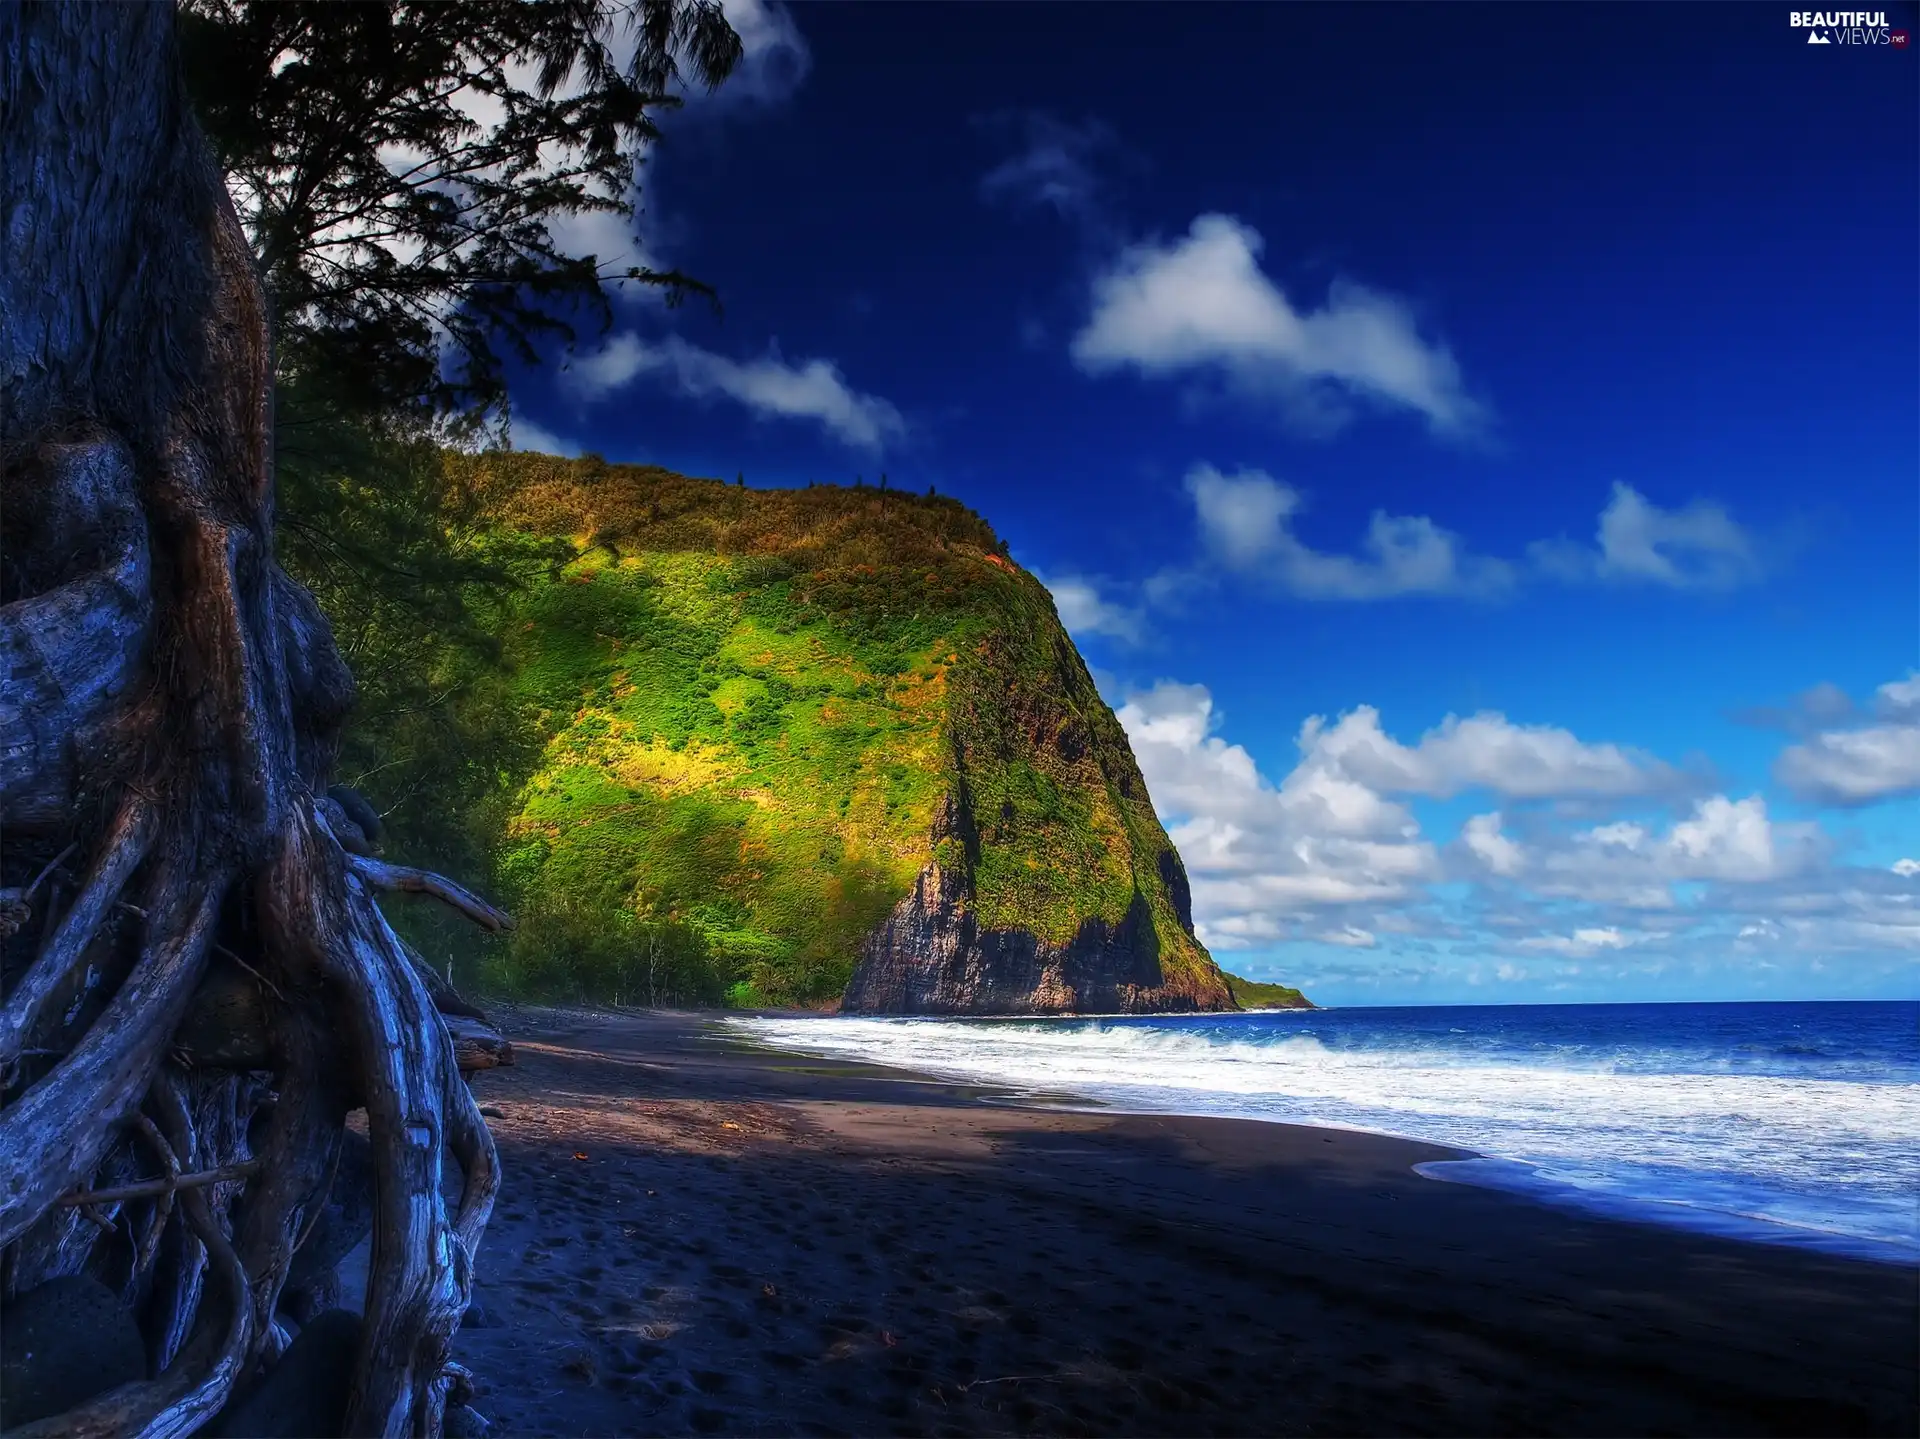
[
  {"x": 932, "y": 956},
  {"x": 941, "y": 950}
]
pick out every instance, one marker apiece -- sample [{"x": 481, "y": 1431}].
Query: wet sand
[{"x": 695, "y": 1236}]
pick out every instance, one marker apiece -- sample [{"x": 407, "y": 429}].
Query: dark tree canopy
[{"x": 397, "y": 166}]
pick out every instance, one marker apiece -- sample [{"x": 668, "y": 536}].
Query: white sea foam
[{"x": 1830, "y": 1157}]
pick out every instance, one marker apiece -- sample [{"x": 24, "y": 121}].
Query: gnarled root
[
  {"x": 106, "y": 1146},
  {"x": 171, "y": 703},
  {"x": 350, "y": 1022}
]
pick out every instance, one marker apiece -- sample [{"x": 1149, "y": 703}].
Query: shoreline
[
  {"x": 699, "y": 1234},
  {"x": 1529, "y": 1178}
]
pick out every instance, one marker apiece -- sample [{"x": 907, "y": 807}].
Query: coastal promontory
[{"x": 825, "y": 745}]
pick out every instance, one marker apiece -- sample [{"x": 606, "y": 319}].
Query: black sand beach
[{"x": 697, "y": 1237}]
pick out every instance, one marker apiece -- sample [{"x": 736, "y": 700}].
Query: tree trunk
[{"x": 170, "y": 708}]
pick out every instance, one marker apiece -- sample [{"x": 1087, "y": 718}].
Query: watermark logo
[{"x": 1846, "y": 27}]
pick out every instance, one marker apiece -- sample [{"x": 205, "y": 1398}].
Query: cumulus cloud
[
  {"x": 1899, "y": 700},
  {"x": 1486, "y": 751},
  {"x": 1699, "y": 546},
  {"x": 1201, "y": 305},
  {"x": 1635, "y": 866},
  {"x": 1085, "y": 611},
  {"x": 1259, "y": 852},
  {"x": 1332, "y": 832},
  {"x": 1839, "y": 910},
  {"x": 1246, "y": 523},
  {"x": 1853, "y": 767},
  {"x": 1729, "y": 839},
  {"x": 1329, "y": 854},
  {"x": 1247, "y": 518},
  {"x": 771, "y": 387},
  {"x": 1483, "y": 839},
  {"x": 1861, "y": 765}
]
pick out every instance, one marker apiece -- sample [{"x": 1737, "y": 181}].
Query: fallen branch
[
  {"x": 168, "y": 1184},
  {"x": 148, "y": 1247},
  {"x": 477, "y": 1046}
]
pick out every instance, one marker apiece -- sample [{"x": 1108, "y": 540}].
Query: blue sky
[{"x": 1475, "y": 448}]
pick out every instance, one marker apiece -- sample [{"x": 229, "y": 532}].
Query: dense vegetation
[
  {"x": 696, "y": 735},
  {"x": 1253, "y": 994},
  {"x": 710, "y": 756}
]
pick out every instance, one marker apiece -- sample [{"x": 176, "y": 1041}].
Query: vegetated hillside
[
  {"x": 793, "y": 731},
  {"x": 1253, "y": 994}
]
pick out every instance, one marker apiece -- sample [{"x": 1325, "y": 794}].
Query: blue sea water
[{"x": 1794, "y": 1123}]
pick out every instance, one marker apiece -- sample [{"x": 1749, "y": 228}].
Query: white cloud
[
  {"x": 770, "y": 387},
  {"x": 1699, "y": 546},
  {"x": 1581, "y": 944},
  {"x": 1725, "y": 839},
  {"x": 1859, "y": 766},
  {"x": 1246, "y": 523},
  {"x": 1201, "y": 304},
  {"x": 1850, "y": 767},
  {"x": 1328, "y": 854},
  {"x": 1482, "y": 837},
  {"x": 1084, "y": 611},
  {"x": 529, "y": 436},
  {"x": 1260, "y": 852},
  {"x": 1722, "y": 841},
  {"x": 1349, "y": 936},
  {"x": 1899, "y": 700},
  {"x": 1486, "y": 751}
]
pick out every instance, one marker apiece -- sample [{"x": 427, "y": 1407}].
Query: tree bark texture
[{"x": 197, "y": 985}]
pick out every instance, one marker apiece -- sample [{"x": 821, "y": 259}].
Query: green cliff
[
  {"x": 1253, "y": 994},
  {"x": 806, "y": 744}
]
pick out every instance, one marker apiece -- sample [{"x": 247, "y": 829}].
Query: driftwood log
[{"x": 197, "y": 984}]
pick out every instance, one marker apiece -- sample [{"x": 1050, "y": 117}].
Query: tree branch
[{"x": 382, "y": 875}]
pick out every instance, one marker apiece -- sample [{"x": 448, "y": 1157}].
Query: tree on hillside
[
  {"x": 197, "y": 985},
  {"x": 399, "y": 168},
  {"x": 428, "y": 190}
]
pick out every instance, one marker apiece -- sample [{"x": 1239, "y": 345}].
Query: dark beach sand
[{"x": 697, "y": 1237}]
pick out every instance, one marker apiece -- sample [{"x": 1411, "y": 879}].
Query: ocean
[{"x": 1790, "y": 1123}]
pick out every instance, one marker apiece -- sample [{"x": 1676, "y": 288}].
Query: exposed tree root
[
  {"x": 55, "y": 1134},
  {"x": 185, "y": 1028},
  {"x": 54, "y": 969}
]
